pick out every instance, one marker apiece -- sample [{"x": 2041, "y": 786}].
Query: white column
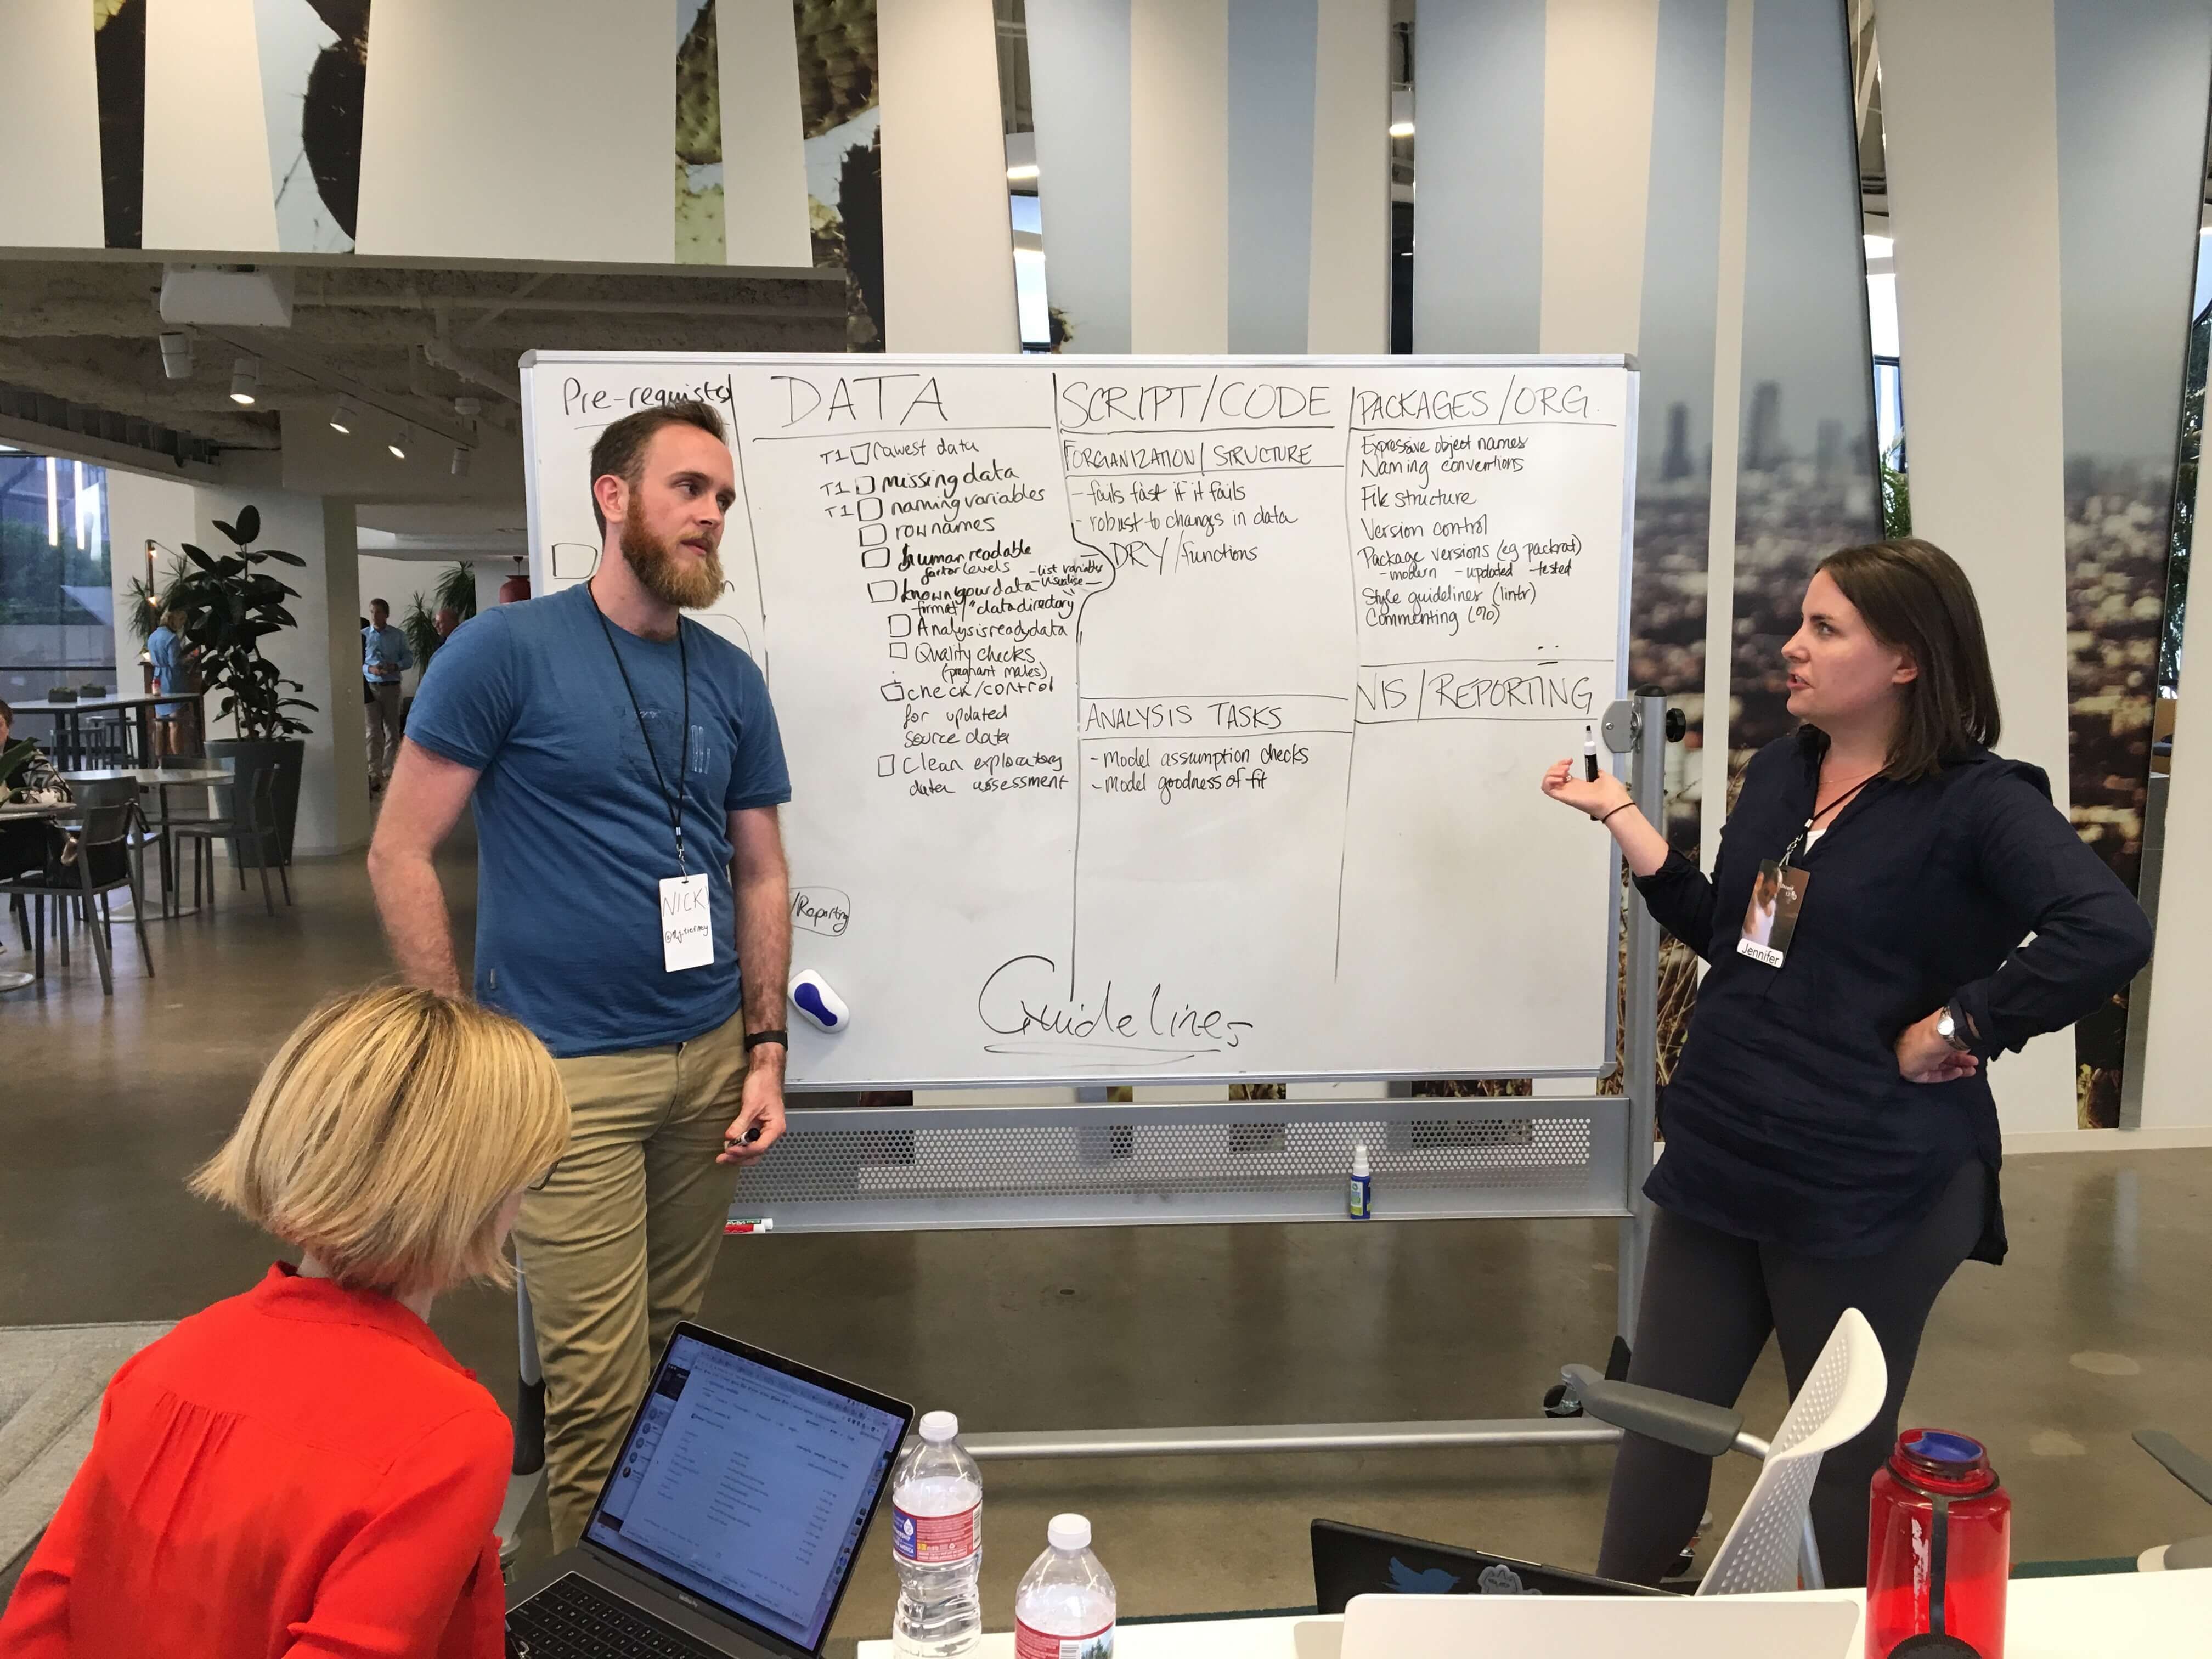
[
  {"x": 1728, "y": 424},
  {"x": 1178, "y": 176},
  {"x": 763, "y": 163},
  {"x": 1970, "y": 115},
  {"x": 323, "y": 653},
  {"x": 948, "y": 232},
  {"x": 207, "y": 144},
  {"x": 1600, "y": 59},
  {"x": 49, "y": 126},
  {"x": 1348, "y": 292},
  {"x": 2177, "y": 1053}
]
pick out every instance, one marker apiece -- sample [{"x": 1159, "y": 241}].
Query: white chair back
[{"x": 1760, "y": 1554}]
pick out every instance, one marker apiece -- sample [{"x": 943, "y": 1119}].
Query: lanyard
[
  {"x": 675, "y": 802},
  {"x": 1840, "y": 801}
]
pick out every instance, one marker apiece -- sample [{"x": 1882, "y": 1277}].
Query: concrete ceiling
[{"x": 80, "y": 367}]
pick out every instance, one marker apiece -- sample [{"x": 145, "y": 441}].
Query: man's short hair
[
  {"x": 7, "y": 714},
  {"x": 620, "y": 450},
  {"x": 379, "y": 604},
  {"x": 387, "y": 1134}
]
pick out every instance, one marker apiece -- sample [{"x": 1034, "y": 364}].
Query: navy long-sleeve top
[{"x": 1787, "y": 1120}]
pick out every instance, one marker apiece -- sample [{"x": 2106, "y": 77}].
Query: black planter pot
[{"x": 251, "y": 756}]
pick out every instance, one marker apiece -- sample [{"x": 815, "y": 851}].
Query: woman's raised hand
[{"x": 1564, "y": 782}]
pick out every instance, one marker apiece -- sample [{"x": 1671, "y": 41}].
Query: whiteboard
[{"x": 1167, "y": 719}]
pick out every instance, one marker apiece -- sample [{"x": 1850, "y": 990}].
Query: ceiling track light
[
  {"x": 246, "y": 381},
  {"x": 176, "y": 354},
  {"x": 344, "y": 416},
  {"x": 397, "y": 447}
]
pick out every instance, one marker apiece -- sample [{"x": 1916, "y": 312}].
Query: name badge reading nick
[{"x": 687, "y": 926}]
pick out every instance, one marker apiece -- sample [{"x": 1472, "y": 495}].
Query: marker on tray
[
  {"x": 1590, "y": 753},
  {"x": 764, "y": 1225}
]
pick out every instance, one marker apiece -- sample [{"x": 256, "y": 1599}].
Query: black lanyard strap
[
  {"x": 673, "y": 801},
  {"x": 1837, "y": 805}
]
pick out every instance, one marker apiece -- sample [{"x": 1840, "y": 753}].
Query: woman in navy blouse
[{"x": 1831, "y": 1141}]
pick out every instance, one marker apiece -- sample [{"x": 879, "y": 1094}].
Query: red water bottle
[{"x": 1939, "y": 1549}]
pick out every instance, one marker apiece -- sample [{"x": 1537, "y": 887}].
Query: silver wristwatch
[{"x": 1947, "y": 1027}]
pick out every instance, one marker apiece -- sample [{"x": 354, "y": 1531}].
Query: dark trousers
[{"x": 1709, "y": 1301}]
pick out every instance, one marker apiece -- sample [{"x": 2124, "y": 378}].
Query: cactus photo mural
[
  {"x": 701, "y": 239},
  {"x": 841, "y": 117}
]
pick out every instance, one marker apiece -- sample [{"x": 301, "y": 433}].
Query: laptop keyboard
[{"x": 572, "y": 1618}]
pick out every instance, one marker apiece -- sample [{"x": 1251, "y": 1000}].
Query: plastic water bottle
[
  {"x": 1939, "y": 1548},
  {"x": 937, "y": 1538},
  {"x": 1064, "y": 1607}
]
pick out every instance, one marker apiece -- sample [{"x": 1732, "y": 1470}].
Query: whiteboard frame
[{"x": 541, "y": 573}]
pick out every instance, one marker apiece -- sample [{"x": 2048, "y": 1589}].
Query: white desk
[{"x": 2090, "y": 1618}]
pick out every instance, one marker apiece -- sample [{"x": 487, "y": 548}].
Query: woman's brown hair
[{"x": 1915, "y": 598}]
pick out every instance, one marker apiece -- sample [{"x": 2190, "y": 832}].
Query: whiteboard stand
[{"x": 1097, "y": 1163}]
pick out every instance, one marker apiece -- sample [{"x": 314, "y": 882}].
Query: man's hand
[
  {"x": 1923, "y": 1057},
  {"x": 759, "y": 1106}
]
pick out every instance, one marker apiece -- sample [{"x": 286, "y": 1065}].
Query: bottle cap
[
  {"x": 937, "y": 1427},
  {"x": 1938, "y": 1461},
  {"x": 1359, "y": 1159},
  {"x": 1069, "y": 1532}
]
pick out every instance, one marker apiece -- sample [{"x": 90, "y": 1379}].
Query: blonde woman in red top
[{"x": 303, "y": 1472}]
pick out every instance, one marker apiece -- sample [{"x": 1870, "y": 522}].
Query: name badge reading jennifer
[
  {"x": 687, "y": 927},
  {"x": 1771, "y": 919}
]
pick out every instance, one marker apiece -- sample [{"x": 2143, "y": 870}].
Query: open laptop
[
  {"x": 732, "y": 1521},
  {"x": 1350, "y": 1561},
  {"x": 1550, "y": 1626}
]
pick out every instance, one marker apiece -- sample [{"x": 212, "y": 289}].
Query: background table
[
  {"x": 69, "y": 740},
  {"x": 2087, "y": 1618},
  {"x": 159, "y": 778}
]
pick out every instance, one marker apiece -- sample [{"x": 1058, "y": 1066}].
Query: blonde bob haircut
[{"x": 387, "y": 1134}]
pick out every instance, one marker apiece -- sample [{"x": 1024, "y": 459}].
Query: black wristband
[
  {"x": 754, "y": 1039},
  {"x": 1623, "y": 807}
]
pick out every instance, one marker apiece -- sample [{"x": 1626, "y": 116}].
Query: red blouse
[{"x": 302, "y": 1471}]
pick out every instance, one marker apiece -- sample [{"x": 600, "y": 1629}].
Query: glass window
[{"x": 56, "y": 604}]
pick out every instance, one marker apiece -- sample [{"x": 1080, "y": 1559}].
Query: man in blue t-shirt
[{"x": 633, "y": 909}]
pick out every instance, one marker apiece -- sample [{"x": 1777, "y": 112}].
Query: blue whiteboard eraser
[{"x": 811, "y": 995}]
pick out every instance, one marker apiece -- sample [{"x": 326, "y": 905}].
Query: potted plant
[
  {"x": 149, "y": 603},
  {"x": 230, "y": 607}
]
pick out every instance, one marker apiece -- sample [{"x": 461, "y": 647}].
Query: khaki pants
[
  {"x": 618, "y": 1247},
  {"x": 383, "y": 711}
]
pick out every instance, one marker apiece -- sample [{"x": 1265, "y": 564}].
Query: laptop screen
[{"x": 747, "y": 1485}]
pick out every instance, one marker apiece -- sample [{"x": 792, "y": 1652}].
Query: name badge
[
  {"x": 687, "y": 926},
  {"x": 1770, "y": 920}
]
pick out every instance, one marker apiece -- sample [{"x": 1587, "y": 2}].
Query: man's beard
[{"x": 687, "y": 584}]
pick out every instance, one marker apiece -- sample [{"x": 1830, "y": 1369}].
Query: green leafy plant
[
  {"x": 420, "y": 630},
  {"x": 1896, "y": 493},
  {"x": 456, "y": 590},
  {"x": 148, "y": 601},
  {"x": 12, "y": 758},
  {"x": 230, "y": 607}
]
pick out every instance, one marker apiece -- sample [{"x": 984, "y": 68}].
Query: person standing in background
[
  {"x": 632, "y": 910},
  {"x": 166, "y": 653},
  {"x": 384, "y": 657},
  {"x": 1831, "y": 1141}
]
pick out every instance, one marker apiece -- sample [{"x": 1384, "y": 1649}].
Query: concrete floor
[{"x": 2095, "y": 1328}]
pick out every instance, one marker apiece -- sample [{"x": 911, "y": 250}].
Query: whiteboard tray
[{"x": 909, "y": 1169}]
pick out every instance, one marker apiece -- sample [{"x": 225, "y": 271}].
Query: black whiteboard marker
[{"x": 1590, "y": 753}]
